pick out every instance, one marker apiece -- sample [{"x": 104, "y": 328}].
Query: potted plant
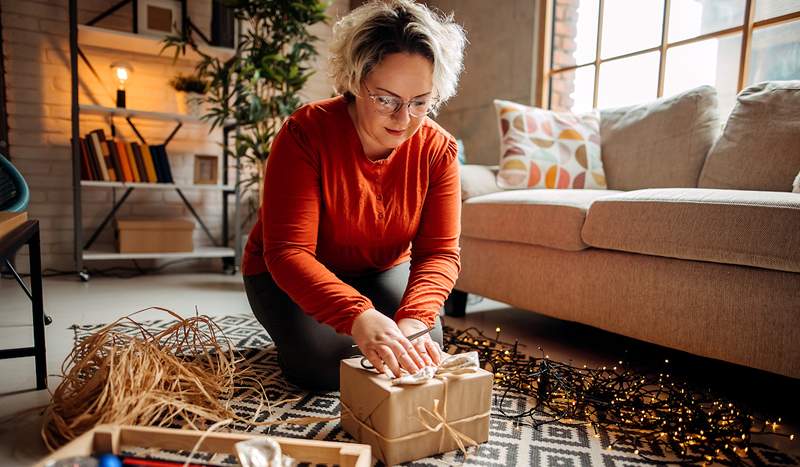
[
  {"x": 259, "y": 86},
  {"x": 190, "y": 90}
]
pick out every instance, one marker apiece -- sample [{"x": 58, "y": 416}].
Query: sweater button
[
  {"x": 380, "y": 215},
  {"x": 379, "y": 197}
]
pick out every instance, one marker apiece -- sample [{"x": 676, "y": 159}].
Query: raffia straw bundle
[{"x": 187, "y": 375}]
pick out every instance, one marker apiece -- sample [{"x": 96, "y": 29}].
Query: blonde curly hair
[{"x": 382, "y": 27}]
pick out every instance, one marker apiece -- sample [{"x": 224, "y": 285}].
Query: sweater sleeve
[
  {"x": 290, "y": 211},
  {"x": 435, "y": 260}
]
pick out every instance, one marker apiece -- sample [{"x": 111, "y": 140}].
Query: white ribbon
[{"x": 453, "y": 364}]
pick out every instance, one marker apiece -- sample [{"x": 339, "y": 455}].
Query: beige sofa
[{"x": 695, "y": 246}]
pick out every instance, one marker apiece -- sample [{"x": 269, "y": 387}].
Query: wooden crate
[{"x": 109, "y": 439}]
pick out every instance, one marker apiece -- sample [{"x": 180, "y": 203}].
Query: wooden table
[{"x": 28, "y": 234}]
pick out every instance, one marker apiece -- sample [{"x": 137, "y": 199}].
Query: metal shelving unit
[{"x": 90, "y": 36}]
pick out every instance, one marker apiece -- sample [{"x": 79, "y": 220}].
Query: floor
[{"x": 102, "y": 300}]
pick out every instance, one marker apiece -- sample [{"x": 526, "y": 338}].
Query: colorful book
[
  {"x": 137, "y": 155},
  {"x": 147, "y": 157},
  {"x": 99, "y": 156},
  {"x": 119, "y": 174},
  {"x": 96, "y": 173},
  {"x": 123, "y": 160},
  {"x": 86, "y": 170},
  {"x": 163, "y": 159},
  {"x": 137, "y": 175}
]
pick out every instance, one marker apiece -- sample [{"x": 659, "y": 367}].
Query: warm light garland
[{"x": 642, "y": 410}]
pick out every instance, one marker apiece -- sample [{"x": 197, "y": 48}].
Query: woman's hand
[
  {"x": 384, "y": 344},
  {"x": 426, "y": 347}
]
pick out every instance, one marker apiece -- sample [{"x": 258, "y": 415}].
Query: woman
[{"x": 357, "y": 237}]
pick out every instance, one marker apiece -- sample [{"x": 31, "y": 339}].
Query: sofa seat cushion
[
  {"x": 551, "y": 218},
  {"x": 749, "y": 228}
]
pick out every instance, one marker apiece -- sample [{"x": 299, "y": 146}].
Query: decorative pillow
[
  {"x": 796, "y": 184},
  {"x": 758, "y": 149},
  {"x": 661, "y": 143},
  {"x": 545, "y": 149}
]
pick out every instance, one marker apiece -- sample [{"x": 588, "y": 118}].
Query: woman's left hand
[{"x": 426, "y": 347}]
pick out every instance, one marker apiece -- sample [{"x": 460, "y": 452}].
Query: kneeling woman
[{"x": 357, "y": 237}]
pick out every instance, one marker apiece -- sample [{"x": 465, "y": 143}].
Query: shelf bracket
[
  {"x": 171, "y": 135},
  {"x": 196, "y": 216},
  {"x": 135, "y": 130},
  {"x": 108, "y": 218}
]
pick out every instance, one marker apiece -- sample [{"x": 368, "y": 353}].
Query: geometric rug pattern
[{"x": 510, "y": 444}]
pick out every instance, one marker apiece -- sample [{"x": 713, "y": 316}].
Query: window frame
[{"x": 545, "y": 72}]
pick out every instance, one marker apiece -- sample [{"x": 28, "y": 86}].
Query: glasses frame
[{"x": 374, "y": 98}]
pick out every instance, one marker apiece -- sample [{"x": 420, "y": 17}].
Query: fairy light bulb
[{"x": 122, "y": 73}]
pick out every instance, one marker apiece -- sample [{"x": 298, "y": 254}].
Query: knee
[{"x": 312, "y": 368}]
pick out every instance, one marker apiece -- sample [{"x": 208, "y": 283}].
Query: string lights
[{"x": 643, "y": 411}]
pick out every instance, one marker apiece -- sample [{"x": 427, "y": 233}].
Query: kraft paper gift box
[{"x": 404, "y": 423}]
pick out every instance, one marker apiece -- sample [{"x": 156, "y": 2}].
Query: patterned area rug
[{"x": 510, "y": 444}]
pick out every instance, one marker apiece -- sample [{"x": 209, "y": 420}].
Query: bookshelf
[
  {"x": 156, "y": 186},
  {"x": 199, "y": 252},
  {"x": 133, "y": 113},
  {"x": 90, "y": 36}
]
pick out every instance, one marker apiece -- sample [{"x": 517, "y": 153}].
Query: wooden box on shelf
[
  {"x": 111, "y": 438},
  {"x": 206, "y": 169},
  {"x": 154, "y": 235}
]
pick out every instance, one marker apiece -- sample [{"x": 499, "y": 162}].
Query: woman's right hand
[{"x": 384, "y": 345}]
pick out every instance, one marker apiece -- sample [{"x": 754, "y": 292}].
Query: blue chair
[{"x": 21, "y": 193}]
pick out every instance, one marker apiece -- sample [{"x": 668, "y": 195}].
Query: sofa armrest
[{"x": 478, "y": 180}]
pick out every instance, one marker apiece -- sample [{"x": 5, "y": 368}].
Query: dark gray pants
[{"x": 309, "y": 351}]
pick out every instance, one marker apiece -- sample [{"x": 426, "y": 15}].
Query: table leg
[{"x": 38, "y": 310}]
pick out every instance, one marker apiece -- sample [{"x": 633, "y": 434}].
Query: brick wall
[{"x": 35, "y": 37}]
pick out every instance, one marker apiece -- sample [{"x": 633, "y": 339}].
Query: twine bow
[{"x": 441, "y": 417}]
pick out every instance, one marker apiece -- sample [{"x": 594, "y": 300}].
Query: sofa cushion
[
  {"x": 477, "y": 180},
  {"x": 545, "y": 149},
  {"x": 750, "y": 228},
  {"x": 661, "y": 143},
  {"x": 551, "y": 218},
  {"x": 760, "y": 146}
]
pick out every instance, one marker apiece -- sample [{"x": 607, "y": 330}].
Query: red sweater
[{"x": 329, "y": 211}]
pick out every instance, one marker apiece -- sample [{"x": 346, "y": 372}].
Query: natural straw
[{"x": 188, "y": 376}]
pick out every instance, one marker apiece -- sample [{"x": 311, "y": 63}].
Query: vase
[{"x": 190, "y": 103}]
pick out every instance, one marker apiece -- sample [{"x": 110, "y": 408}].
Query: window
[{"x": 609, "y": 53}]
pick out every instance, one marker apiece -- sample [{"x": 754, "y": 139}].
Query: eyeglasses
[{"x": 390, "y": 105}]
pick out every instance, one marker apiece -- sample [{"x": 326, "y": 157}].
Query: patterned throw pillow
[{"x": 545, "y": 149}]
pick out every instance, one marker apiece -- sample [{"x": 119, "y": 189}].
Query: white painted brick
[
  {"x": 29, "y": 167},
  {"x": 50, "y": 10},
  {"x": 36, "y": 96},
  {"x": 40, "y": 124},
  {"x": 16, "y": 21},
  {"x": 54, "y": 26},
  {"x": 99, "y": 195}
]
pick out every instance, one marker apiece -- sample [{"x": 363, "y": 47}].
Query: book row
[{"x": 115, "y": 160}]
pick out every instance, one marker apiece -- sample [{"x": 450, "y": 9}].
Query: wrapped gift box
[
  {"x": 390, "y": 418},
  {"x": 154, "y": 235}
]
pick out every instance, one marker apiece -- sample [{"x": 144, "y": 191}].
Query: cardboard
[
  {"x": 389, "y": 414},
  {"x": 154, "y": 235},
  {"x": 11, "y": 220}
]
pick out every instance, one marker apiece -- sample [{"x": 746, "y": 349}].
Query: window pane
[
  {"x": 627, "y": 81},
  {"x": 572, "y": 90},
  {"x": 714, "y": 62},
  {"x": 772, "y": 8},
  {"x": 631, "y": 25},
  {"x": 692, "y": 18},
  {"x": 775, "y": 53},
  {"x": 575, "y": 32}
]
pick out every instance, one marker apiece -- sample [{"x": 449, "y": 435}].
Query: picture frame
[
  {"x": 206, "y": 169},
  {"x": 158, "y": 17}
]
